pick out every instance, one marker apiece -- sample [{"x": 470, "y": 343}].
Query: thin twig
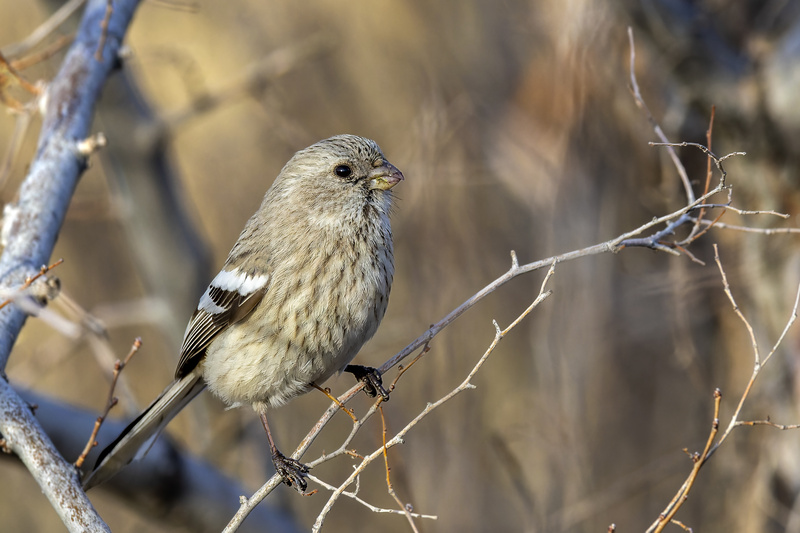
[
  {"x": 757, "y": 367},
  {"x": 746, "y": 229},
  {"x": 44, "y": 29},
  {"x": 327, "y": 392},
  {"x": 717, "y": 160},
  {"x": 769, "y": 423},
  {"x": 637, "y": 95},
  {"x": 681, "y": 525},
  {"x": 696, "y": 233},
  {"x": 29, "y": 281},
  {"x": 405, "y": 508},
  {"x": 50, "y": 50},
  {"x": 354, "y": 496},
  {"x": 682, "y": 495},
  {"x": 111, "y": 401},
  {"x": 101, "y": 43},
  {"x": 727, "y": 288}
]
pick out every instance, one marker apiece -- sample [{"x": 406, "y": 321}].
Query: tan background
[{"x": 513, "y": 124}]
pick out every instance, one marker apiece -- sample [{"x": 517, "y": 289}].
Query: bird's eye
[{"x": 343, "y": 171}]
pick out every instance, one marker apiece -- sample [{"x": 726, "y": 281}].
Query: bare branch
[
  {"x": 782, "y": 427},
  {"x": 354, "y": 496},
  {"x": 729, "y": 294},
  {"x": 29, "y": 239},
  {"x": 667, "y": 516},
  {"x": 746, "y": 229},
  {"x": 24, "y": 436},
  {"x": 637, "y": 95},
  {"x": 110, "y": 402}
]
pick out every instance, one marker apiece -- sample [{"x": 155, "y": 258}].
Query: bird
[{"x": 304, "y": 287}]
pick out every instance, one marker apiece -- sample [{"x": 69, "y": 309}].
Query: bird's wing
[{"x": 230, "y": 297}]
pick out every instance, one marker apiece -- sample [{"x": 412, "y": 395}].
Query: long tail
[{"x": 136, "y": 439}]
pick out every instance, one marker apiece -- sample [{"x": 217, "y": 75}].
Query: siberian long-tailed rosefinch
[{"x": 304, "y": 287}]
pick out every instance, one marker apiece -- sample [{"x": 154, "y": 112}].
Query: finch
[{"x": 304, "y": 287}]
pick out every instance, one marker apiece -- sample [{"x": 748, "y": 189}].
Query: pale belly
[{"x": 281, "y": 349}]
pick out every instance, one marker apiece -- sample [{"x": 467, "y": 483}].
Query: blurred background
[{"x": 515, "y": 128}]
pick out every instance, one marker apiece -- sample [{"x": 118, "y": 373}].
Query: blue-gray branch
[{"x": 31, "y": 227}]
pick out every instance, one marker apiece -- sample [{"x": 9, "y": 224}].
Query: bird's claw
[
  {"x": 291, "y": 471},
  {"x": 373, "y": 384}
]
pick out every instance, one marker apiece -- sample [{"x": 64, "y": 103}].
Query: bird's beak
[{"x": 385, "y": 177}]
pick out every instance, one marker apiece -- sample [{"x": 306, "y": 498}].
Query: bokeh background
[{"x": 514, "y": 126}]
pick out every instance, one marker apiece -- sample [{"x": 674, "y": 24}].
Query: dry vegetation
[{"x": 515, "y": 128}]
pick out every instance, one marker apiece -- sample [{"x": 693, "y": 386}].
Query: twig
[
  {"x": 29, "y": 281},
  {"x": 613, "y": 245},
  {"x": 403, "y": 369},
  {"x": 757, "y": 367},
  {"x": 769, "y": 423},
  {"x": 637, "y": 95},
  {"x": 327, "y": 392},
  {"x": 738, "y": 211},
  {"x": 668, "y": 514},
  {"x": 682, "y": 495},
  {"x": 746, "y": 229},
  {"x": 405, "y": 508},
  {"x": 717, "y": 160},
  {"x": 44, "y": 29},
  {"x": 188, "y": 7},
  {"x": 10, "y": 75},
  {"x": 110, "y": 402},
  {"x": 696, "y": 232},
  {"x": 51, "y": 49},
  {"x": 354, "y": 496},
  {"x": 727, "y": 288},
  {"x": 23, "y": 120},
  {"x": 101, "y": 43},
  {"x": 682, "y": 525}
]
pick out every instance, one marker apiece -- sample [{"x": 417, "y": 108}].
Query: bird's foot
[
  {"x": 373, "y": 384},
  {"x": 291, "y": 471}
]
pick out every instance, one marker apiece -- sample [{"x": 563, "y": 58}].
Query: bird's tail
[{"x": 136, "y": 439}]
